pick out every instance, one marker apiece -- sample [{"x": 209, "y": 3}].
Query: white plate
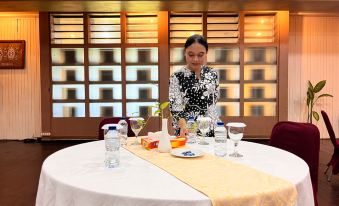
[{"x": 186, "y": 152}]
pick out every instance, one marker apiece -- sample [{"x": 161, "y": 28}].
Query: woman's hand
[
  {"x": 183, "y": 132},
  {"x": 183, "y": 129}
]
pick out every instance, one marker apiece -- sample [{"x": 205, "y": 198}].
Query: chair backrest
[
  {"x": 112, "y": 120},
  {"x": 329, "y": 128},
  {"x": 303, "y": 140}
]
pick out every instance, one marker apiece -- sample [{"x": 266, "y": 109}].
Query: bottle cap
[
  {"x": 122, "y": 118},
  {"x": 112, "y": 128},
  {"x": 220, "y": 123},
  {"x": 190, "y": 118}
]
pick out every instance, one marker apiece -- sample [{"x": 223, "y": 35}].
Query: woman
[{"x": 194, "y": 89}]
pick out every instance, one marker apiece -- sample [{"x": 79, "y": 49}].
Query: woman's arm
[
  {"x": 217, "y": 89},
  {"x": 176, "y": 99}
]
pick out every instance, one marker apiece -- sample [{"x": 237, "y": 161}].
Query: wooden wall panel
[
  {"x": 314, "y": 56},
  {"x": 20, "y": 108}
]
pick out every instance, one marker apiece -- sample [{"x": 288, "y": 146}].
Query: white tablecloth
[{"x": 76, "y": 176}]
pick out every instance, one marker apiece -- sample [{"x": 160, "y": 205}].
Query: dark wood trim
[
  {"x": 68, "y": 101},
  {"x": 229, "y": 100},
  {"x": 105, "y": 101},
  {"x": 104, "y": 64},
  {"x": 81, "y": 128},
  {"x": 241, "y": 60},
  {"x": 142, "y": 100},
  {"x": 123, "y": 25},
  {"x": 86, "y": 65},
  {"x": 66, "y": 45},
  {"x": 204, "y": 24},
  {"x": 104, "y": 82},
  {"x": 142, "y": 82},
  {"x": 142, "y": 64},
  {"x": 133, "y": 45},
  {"x": 164, "y": 57},
  {"x": 91, "y": 45},
  {"x": 273, "y": 44},
  {"x": 259, "y": 63},
  {"x": 260, "y": 100},
  {"x": 68, "y": 82},
  {"x": 45, "y": 73},
  {"x": 260, "y": 81}
]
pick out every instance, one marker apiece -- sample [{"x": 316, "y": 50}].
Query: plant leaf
[
  {"x": 164, "y": 105},
  {"x": 310, "y": 94},
  {"x": 308, "y": 99},
  {"x": 319, "y": 86},
  {"x": 315, "y": 115},
  {"x": 325, "y": 95},
  {"x": 157, "y": 112},
  {"x": 141, "y": 122},
  {"x": 310, "y": 86}
]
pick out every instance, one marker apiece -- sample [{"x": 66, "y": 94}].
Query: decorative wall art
[{"x": 12, "y": 54}]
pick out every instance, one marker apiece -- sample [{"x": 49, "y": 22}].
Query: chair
[
  {"x": 113, "y": 120},
  {"x": 303, "y": 140},
  {"x": 334, "y": 162}
]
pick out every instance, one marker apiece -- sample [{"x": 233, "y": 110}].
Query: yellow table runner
[{"x": 226, "y": 183}]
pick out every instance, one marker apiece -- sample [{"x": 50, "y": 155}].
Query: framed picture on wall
[{"x": 12, "y": 54}]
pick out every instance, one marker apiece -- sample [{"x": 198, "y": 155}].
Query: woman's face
[{"x": 196, "y": 56}]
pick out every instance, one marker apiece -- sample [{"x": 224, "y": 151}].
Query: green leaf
[
  {"x": 310, "y": 86},
  {"x": 315, "y": 115},
  {"x": 157, "y": 112},
  {"x": 325, "y": 95},
  {"x": 319, "y": 86},
  {"x": 164, "y": 105},
  {"x": 141, "y": 122},
  {"x": 310, "y": 90},
  {"x": 308, "y": 100},
  {"x": 310, "y": 94}
]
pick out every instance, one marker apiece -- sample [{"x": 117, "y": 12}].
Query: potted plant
[{"x": 312, "y": 98}]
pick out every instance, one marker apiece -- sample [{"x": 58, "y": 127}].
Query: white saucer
[{"x": 186, "y": 152}]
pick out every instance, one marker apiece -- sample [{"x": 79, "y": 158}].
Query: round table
[{"x": 76, "y": 176}]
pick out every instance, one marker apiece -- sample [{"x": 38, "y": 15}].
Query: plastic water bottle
[
  {"x": 192, "y": 127},
  {"x": 112, "y": 144},
  {"x": 220, "y": 146},
  {"x": 123, "y": 129}
]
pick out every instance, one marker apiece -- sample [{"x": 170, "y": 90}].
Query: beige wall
[
  {"x": 20, "y": 113},
  {"x": 314, "y": 55}
]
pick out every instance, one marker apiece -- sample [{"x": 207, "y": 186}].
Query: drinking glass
[
  {"x": 136, "y": 126},
  {"x": 204, "y": 126},
  {"x": 236, "y": 132}
]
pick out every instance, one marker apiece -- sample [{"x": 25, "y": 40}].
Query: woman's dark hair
[{"x": 196, "y": 38}]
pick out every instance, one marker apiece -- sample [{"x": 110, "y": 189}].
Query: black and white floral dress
[{"x": 190, "y": 96}]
